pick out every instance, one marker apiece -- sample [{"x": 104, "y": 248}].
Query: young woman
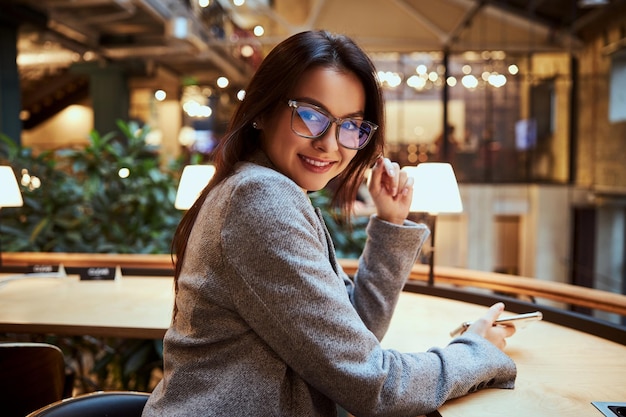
[{"x": 266, "y": 323}]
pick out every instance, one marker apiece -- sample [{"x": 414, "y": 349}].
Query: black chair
[
  {"x": 31, "y": 376},
  {"x": 97, "y": 404}
]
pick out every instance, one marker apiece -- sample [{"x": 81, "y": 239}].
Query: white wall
[
  {"x": 470, "y": 240},
  {"x": 69, "y": 127},
  {"x": 72, "y": 126}
]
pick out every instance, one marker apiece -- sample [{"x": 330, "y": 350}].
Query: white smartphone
[{"x": 518, "y": 320}]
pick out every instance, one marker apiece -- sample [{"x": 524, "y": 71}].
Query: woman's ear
[{"x": 257, "y": 122}]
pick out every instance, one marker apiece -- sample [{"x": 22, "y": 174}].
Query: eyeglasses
[{"x": 311, "y": 122}]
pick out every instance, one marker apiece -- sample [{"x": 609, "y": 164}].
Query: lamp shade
[
  {"x": 192, "y": 182},
  {"x": 435, "y": 189},
  {"x": 10, "y": 195}
]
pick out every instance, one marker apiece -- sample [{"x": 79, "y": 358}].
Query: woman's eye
[
  {"x": 312, "y": 116},
  {"x": 350, "y": 125}
]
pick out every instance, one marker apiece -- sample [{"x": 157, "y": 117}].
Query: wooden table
[
  {"x": 560, "y": 370},
  {"x": 131, "y": 307}
]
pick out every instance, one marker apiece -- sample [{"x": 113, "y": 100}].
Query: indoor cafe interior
[{"x": 509, "y": 114}]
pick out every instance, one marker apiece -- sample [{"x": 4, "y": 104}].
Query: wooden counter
[{"x": 143, "y": 264}]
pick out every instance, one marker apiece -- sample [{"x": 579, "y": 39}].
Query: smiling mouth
[{"x": 316, "y": 163}]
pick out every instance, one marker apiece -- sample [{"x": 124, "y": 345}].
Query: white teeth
[{"x": 316, "y": 163}]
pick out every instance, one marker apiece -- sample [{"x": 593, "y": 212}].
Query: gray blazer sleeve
[
  {"x": 389, "y": 254},
  {"x": 284, "y": 286}
]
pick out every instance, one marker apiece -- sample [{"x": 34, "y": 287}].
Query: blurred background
[{"x": 526, "y": 100}]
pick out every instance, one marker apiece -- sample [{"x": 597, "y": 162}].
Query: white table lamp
[
  {"x": 435, "y": 191},
  {"x": 192, "y": 182},
  {"x": 10, "y": 195}
]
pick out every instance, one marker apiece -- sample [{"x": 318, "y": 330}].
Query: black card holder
[
  {"x": 99, "y": 273},
  {"x": 44, "y": 269}
]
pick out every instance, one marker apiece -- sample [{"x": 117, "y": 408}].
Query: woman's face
[{"x": 312, "y": 163}]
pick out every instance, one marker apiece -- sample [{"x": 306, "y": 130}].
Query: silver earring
[{"x": 255, "y": 125}]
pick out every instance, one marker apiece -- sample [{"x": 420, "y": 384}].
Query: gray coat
[{"x": 269, "y": 324}]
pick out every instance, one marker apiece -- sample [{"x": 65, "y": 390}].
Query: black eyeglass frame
[{"x": 294, "y": 104}]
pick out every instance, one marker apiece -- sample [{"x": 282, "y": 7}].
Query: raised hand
[{"x": 391, "y": 190}]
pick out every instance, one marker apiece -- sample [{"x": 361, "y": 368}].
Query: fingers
[
  {"x": 392, "y": 176},
  {"x": 391, "y": 190},
  {"x": 390, "y": 167},
  {"x": 373, "y": 182},
  {"x": 507, "y": 330},
  {"x": 485, "y": 322},
  {"x": 387, "y": 175},
  {"x": 494, "y": 312},
  {"x": 486, "y": 327},
  {"x": 498, "y": 334},
  {"x": 408, "y": 185}
]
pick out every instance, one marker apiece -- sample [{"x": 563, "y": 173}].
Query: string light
[
  {"x": 258, "y": 30},
  {"x": 497, "y": 80},
  {"x": 195, "y": 109},
  {"x": 160, "y": 95},
  {"x": 123, "y": 173},
  {"x": 416, "y": 82},
  {"x": 389, "y": 78},
  {"x": 469, "y": 81},
  {"x": 30, "y": 181},
  {"x": 222, "y": 82},
  {"x": 247, "y": 51}
]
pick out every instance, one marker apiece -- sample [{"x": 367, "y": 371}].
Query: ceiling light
[
  {"x": 247, "y": 51},
  {"x": 592, "y": 3},
  {"x": 160, "y": 95},
  {"x": 469, "y": 81},
  {"x": 222, "y": 82},
  {"x": 416, "y": 82}
]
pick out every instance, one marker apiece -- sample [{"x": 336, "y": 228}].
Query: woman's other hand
[
  {"x": 391, "y": 190},
  {"x": 485, "y": 327}
]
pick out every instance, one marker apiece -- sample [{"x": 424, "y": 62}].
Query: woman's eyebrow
[{"x": 309, "y": 100}]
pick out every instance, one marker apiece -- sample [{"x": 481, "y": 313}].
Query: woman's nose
[{"x": 328, "y": 141}]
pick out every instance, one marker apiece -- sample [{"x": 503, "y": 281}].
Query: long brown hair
[{"x": 270, "y": 86}]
